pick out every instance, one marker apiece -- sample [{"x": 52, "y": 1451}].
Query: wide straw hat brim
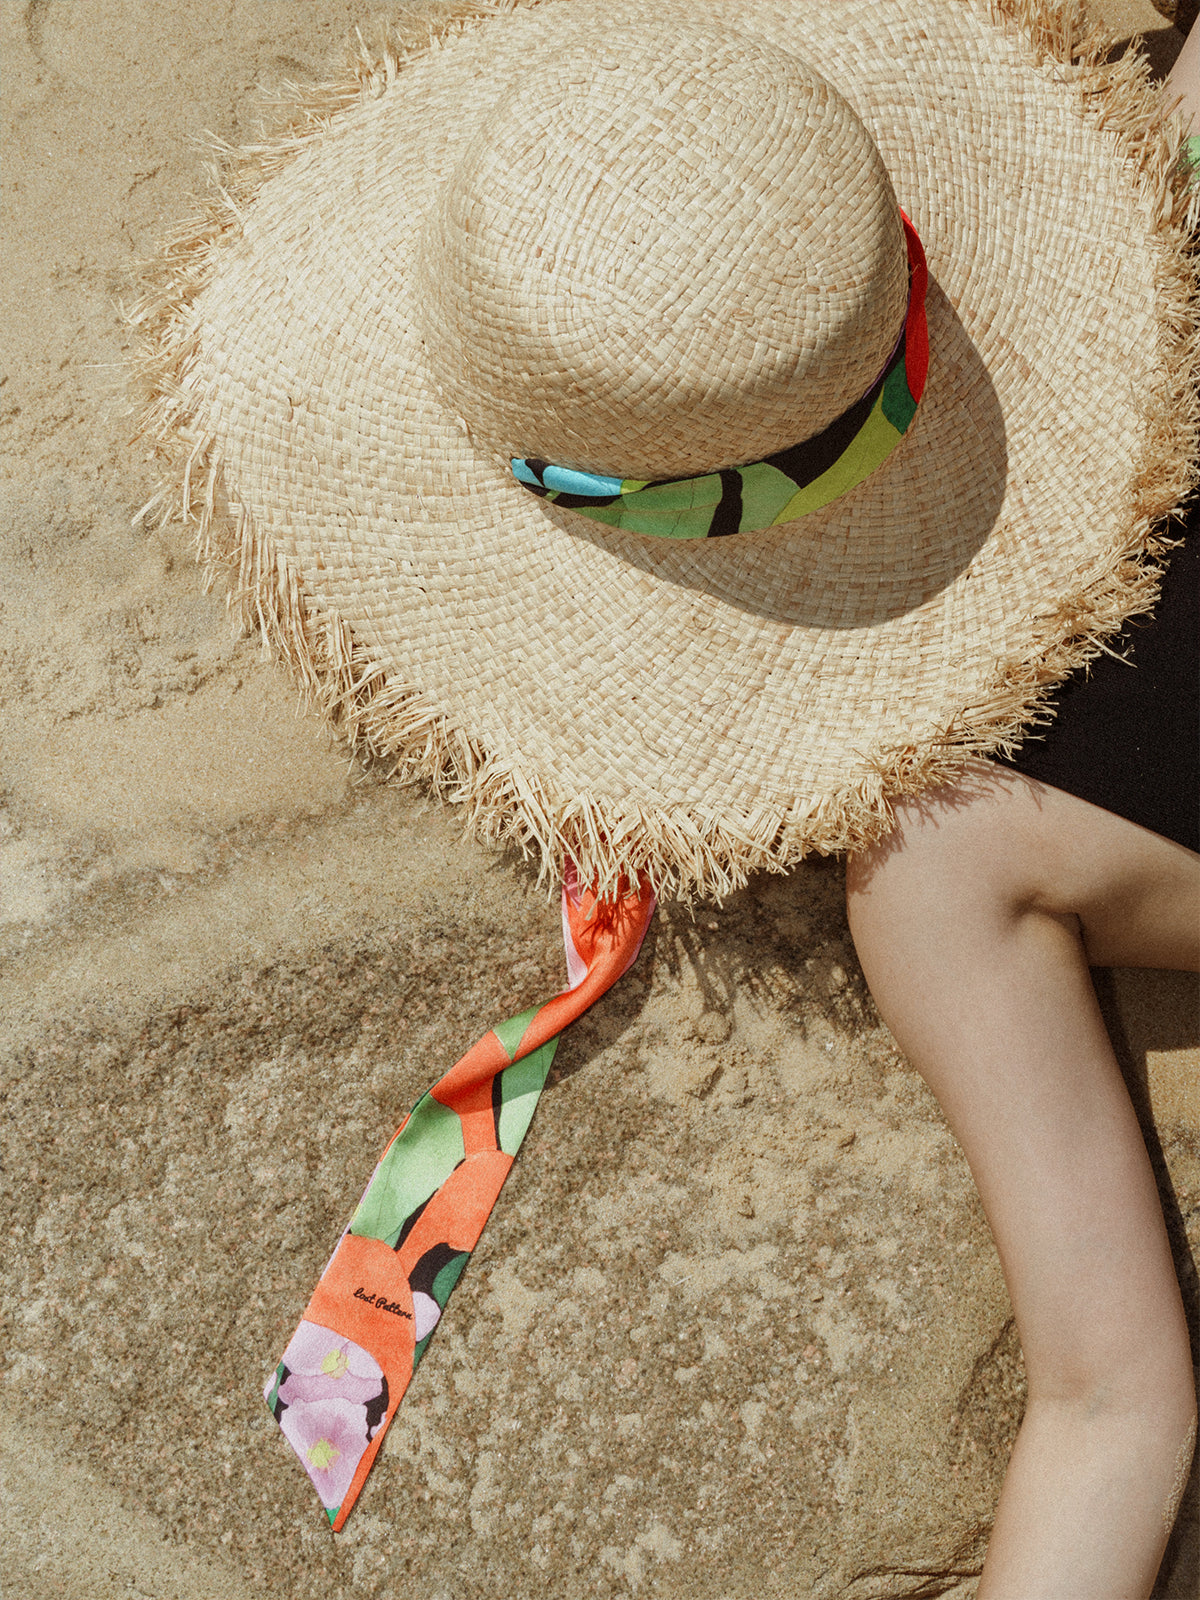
[{"x": 699, "y": 709}]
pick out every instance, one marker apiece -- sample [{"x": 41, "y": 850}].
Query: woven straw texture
[
  {"x": 664, "y": 268},
  {"x": 338, "y": 356}
]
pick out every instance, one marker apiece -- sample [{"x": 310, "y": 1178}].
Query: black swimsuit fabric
[{"x": 1127, "y": 736}]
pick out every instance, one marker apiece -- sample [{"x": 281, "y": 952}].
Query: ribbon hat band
[{"x": 783, "y": 486}]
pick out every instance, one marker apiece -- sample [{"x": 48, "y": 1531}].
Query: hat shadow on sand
[{"x": 963, "y": 469}]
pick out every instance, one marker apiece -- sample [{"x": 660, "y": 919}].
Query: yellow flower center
[
  {"x": 323, "y": 1454},
  {"x": 335, "y": 1364}
]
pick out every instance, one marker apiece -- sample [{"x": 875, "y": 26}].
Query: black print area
[{"x": 380, "y": 1304}]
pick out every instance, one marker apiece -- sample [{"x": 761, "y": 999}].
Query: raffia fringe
[{"x": 693, "y": 853}]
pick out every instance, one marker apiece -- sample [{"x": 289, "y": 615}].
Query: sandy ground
[{"x": 736, "y": 1327}]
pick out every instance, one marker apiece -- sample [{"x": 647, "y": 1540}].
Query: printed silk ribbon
[
  {"x": 373, "y": 1313},
  {"x": 784, "y": 486},
  {"x": 382, "y": 1295}
]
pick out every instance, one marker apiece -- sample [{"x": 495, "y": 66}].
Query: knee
[
  {"x": 969, "y": 840},
  {"x": 1147, "y": 1378},
  {"x": 951, "y": 876}
]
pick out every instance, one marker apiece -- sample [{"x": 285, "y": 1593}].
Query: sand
[{"x": 736, "y": 1327}]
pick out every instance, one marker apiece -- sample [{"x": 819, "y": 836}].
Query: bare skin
[{"x": 976, "y": 922}]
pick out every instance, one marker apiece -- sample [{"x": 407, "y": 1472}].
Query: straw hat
[{"x": 656, "y": 240}]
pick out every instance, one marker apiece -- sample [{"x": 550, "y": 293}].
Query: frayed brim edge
[{"x": 694, "y": 852}]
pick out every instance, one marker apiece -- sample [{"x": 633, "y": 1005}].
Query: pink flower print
[
  {"x": 315, "y": 1350},
  {"x": 330, "y": 1437},
  {"x": 321, "y": 1365}
]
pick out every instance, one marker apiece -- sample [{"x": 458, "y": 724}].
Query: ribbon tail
[{"x": 374, "y": 1311}]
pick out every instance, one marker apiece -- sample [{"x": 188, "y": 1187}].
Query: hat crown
[{"x": 666, "y": 251}]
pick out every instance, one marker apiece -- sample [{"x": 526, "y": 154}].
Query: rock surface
[{"x": 736, "y": 1327}]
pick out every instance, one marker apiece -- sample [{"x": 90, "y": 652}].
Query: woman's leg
[{"x": 975, "y": 922}]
